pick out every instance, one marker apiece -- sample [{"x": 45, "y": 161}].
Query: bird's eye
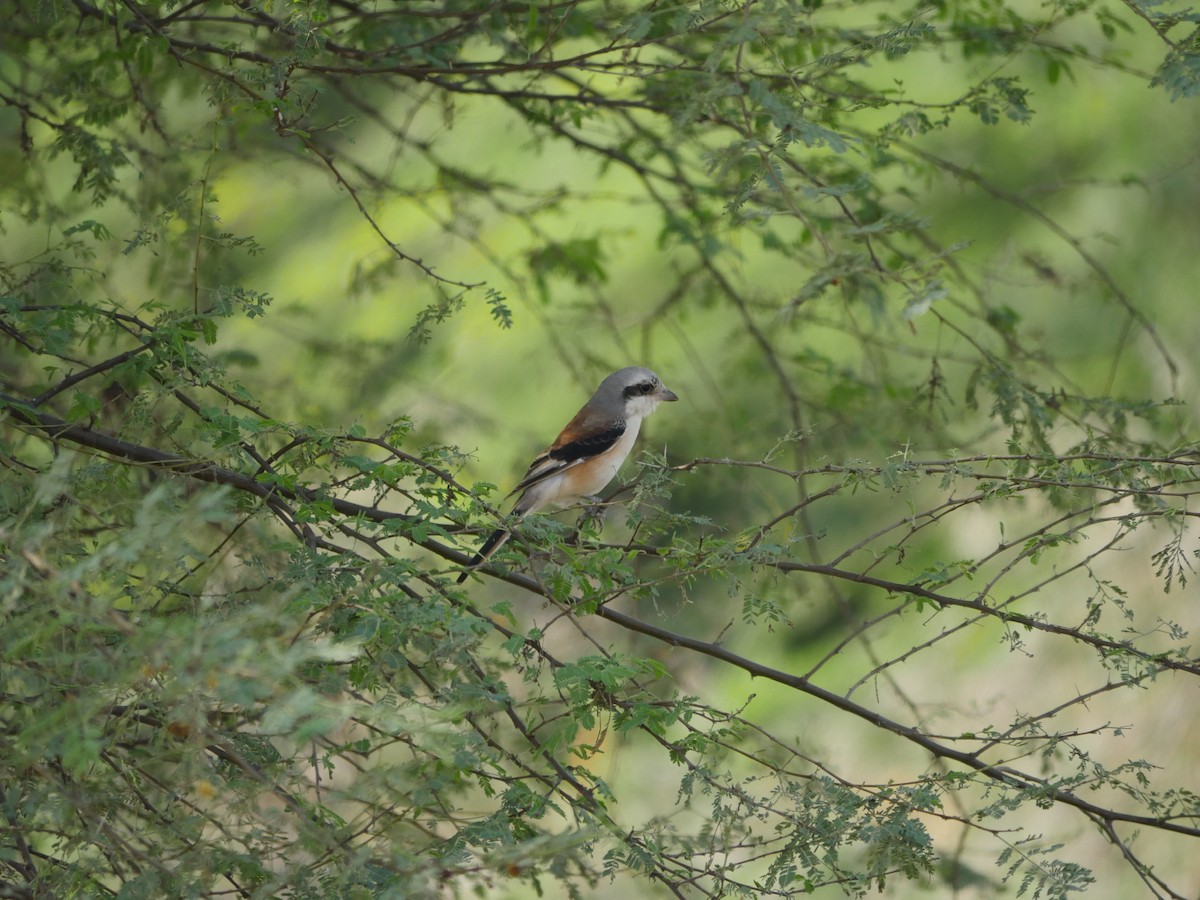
[{"x": 646, "y": 387}]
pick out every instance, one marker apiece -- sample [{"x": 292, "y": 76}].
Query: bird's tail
[{"x": 498, "y": 539}]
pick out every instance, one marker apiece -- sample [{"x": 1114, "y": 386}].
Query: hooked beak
[{"x": 665, "y": 394}]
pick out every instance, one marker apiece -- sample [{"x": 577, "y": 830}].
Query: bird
[{"x": 586, "y": 454}]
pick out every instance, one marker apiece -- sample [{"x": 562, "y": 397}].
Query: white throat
[{"x": 637, "y": 408}]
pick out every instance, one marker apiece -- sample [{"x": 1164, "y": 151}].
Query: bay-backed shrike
[{"x": 588, "y": 452}]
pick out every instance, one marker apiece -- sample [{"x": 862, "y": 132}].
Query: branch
[{"x": 57, "y": 430}]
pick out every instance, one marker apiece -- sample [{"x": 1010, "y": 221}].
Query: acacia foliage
[{"x": 235, "y": 660}]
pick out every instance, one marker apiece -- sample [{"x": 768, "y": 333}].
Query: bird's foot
[{"x": 593, "y": 514}]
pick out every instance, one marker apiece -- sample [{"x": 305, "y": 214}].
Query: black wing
[
  {"x": 588, "y": 446},
  {"x": 571, "y": 453}
]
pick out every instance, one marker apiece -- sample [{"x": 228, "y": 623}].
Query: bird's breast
[{"x": 591, "y": 477}]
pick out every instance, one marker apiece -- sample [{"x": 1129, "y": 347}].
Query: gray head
[{"x": 633, "y": 392}]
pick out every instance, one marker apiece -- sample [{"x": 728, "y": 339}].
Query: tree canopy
[{"x": 899, "y": 596}]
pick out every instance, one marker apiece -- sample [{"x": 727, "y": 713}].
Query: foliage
[{"x": 235, "y": 659}]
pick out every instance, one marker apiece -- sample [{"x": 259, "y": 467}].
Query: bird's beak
[{"x": 668, "y": 395}]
